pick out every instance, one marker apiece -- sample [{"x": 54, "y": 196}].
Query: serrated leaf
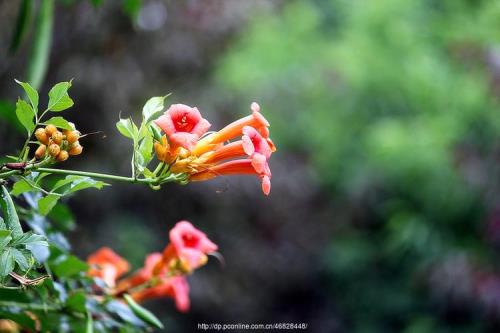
[
  {"x": 10, "y": 216},
  {"x": 59, "y": 122},
  {"x": 127, "y": 128},
  {"x": 46, "y": 203},
  {"x": 6, "y": 262},
  {"x": 153, "y": 108},
  {"x": 31, "y": 93},
  {"x": 29, "y": 238},
  {"x": 20, "y": 259},
  {"x": 59, "y": 99},
  {"x": 20, "y": 187},
  {"x": 25, "y": 115}
]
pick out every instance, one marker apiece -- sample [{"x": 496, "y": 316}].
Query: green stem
[
  {"x": 97, "y": 175},
  {"x": 30, "y": 306}
]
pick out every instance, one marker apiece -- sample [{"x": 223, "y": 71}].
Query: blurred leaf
[
  {"x": 46, "y": 203},
  {"x": 25, "y": 115},
  {"x": 59, "y": 122},
  {"x": 59, "y": 99},
  {"x": 71, "y": 184},
  {"x": 143, "y": 313},
  {"x": 132, "y": 7},
  {"x": 8, "y": 112},
  {"x": 68, "y": 266},
  {"x": 31, "y": 93},
  {"x": 42, "y": 40},
  {"x": 9, "y": 213},
  {"x": 76, "y": 302},
  {"x": 22, "y": 24}
]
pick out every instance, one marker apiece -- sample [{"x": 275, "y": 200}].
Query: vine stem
[{"x": 97, "y": 175}]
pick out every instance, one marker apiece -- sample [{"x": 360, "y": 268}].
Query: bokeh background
[{"x": 384, "y": 214}]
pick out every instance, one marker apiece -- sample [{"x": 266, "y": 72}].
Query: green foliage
[
  {"x": 39, "y": 277},
  {"x": 381, "y": 96}
]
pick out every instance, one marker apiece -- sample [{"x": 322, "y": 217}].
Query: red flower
[
  {"x": 176, "y": 287},
  {"x": 183, "y": 125},
  {"x": 107, "y": 265}
]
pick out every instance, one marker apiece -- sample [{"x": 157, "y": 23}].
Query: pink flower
[
  {"x": 176, "y": 287},
  {"x": 257, "y": 148},
  {"x": 183, "y": 125},
  {"x": 190, "y": 245}
]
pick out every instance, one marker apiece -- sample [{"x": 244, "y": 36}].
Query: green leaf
[
  {"x": 8, "y": 113},
  {"x": 132, "y": 7},
  {"x": 31, "y": 93},
  {"x": 25, "y": 115},
  {"x": 76, "y": 302},
  {"x": 143, "y": 313},
  {"x": 29, "y": 238},
  {"x": 146, "y": 149},
  {"x": 22, "y": 24},
  {"x": 46, "y": 203},
  {"x": 89, "y": 328},
  {"x": 42, "y": 39},
  {"x": 59, "y": 99},
  {"x": 7, "y": 262},
  {"x": 155, "y": 131},
  {"x": 21, "y": 260},
  {"x": 2, "y": 224},
  {"x": 21, "y": 186},
  {"x": 9, "y": 213},
  {"x": 5, "y": 238},
  {"x": 76, "y": 183},
  {"x": 127, "y": 128},
  {"x": 59, "y": 122},
  {"x": 67, "y": 266},
  {"x": 153, "y": 108}
]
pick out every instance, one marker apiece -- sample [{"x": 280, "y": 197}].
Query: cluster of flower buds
[
  {"x": 188, "y": 148},
  {"x": 163, "y": 274},
  {"x": 56, "y": 144}
]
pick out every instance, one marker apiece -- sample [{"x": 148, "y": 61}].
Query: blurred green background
[{"x": 384, "y": 214}]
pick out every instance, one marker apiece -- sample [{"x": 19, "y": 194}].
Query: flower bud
[
  {"x": 42, "y": 136},
  {"x": 72, "y": 136},
  {"x": 57, "y": 137},
  {"x": 62, "y": 156},
  {"x": 50, "y": 129},
  {"x": 54, "y": 150},
  {"x": 76, "y": 149},
  {"x": 40, "y": 151}
]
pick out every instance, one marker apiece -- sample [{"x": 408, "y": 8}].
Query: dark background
[{"x": 384, "y": 214}]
